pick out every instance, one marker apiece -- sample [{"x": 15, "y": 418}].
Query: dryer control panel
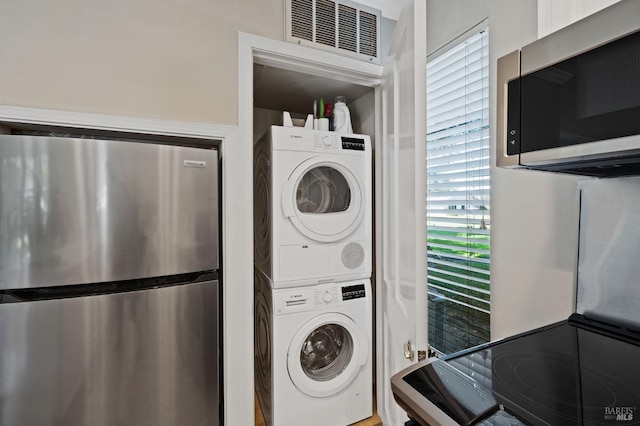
[
  {"x": 356, "y": 144},
  {"x": 307, "y": 140}
]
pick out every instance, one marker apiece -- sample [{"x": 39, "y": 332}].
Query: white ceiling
[{"x": 389, "y": 8}]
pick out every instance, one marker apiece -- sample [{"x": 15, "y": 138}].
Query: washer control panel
[
  {"x": 326, "y": 295},
  {"x": 334, "y": 294},
  {"x": 323, "y": 296},
  {"x": 353, "y": 292}
]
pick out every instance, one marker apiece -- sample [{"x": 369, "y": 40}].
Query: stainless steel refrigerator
[{"x": 108, "y": 283}]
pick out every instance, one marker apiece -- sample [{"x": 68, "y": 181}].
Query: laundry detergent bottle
[{"x": 341, "y": 116}]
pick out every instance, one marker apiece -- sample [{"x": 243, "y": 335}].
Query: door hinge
[
  {"x": 410, "y": 351},
  {"x": 429, "y": 353}
]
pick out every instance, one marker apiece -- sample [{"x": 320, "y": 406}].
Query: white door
[{"x": 401, "y": 206}]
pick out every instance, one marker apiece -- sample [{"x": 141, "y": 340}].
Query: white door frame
[
  {"x": 255, "y": 49},
  {"x": 401, "y": 179}
]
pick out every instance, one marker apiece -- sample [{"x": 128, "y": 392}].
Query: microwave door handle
[{"x": 508, "y": 70}]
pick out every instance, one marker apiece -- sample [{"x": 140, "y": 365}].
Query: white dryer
[
  {"x": 313, "y": 363},
  {"x": 312, "y": 206}
]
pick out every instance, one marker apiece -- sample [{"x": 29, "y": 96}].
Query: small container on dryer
[{"x": 341, "y": 116}]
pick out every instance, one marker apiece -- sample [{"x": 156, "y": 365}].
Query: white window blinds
[{"x": 458, "y": 211}]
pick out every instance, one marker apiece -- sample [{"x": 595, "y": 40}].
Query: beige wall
[
  {"x": 168, "y": 59},
  {"x": 556, "y": 14},
  {"x": 447, "y": 20}
]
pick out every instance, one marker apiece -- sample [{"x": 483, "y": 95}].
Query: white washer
[
  {"x": 313, "y": 353},
  {"x": 312, "y": 206}
]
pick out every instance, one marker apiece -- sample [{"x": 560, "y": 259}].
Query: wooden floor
[{"x": 372, "y": 421}]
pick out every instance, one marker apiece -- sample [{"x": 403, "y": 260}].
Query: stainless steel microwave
[{"x": 570, "y": 102}]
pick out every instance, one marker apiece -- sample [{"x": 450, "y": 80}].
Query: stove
[
  {"x": 584, "y": 370},
  {"x": 575, "y": 372}
]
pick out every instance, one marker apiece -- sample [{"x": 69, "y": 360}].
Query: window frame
[{"x": 448, "y": 282}]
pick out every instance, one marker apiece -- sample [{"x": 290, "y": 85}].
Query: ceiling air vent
[{"x": 342, "y": 26}]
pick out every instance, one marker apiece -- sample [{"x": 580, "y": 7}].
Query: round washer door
[
  {"x": 326, "y": 354},
  {"x": 323, "y": 199}
]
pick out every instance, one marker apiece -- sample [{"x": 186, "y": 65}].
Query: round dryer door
[
  {"x": 326, "y": 354},
  {"x": 323, "y": 200}
]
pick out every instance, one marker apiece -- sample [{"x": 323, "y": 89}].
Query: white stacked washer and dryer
[{"x": 313, "y": 304}]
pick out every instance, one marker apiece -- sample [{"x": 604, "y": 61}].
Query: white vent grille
[
  {"x": 325, "y": 22},
  {"x": 348, "y": 23},
  {"x": 343, "y": 26},
  {"x": 302, "y": 19},
  {"x": 368, "y": 34}
]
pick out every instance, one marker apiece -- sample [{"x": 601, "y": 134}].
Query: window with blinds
[{"x": 458, "y": 210}]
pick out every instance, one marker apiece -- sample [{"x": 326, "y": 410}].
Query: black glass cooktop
[{"x": 571, "y": 373}]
